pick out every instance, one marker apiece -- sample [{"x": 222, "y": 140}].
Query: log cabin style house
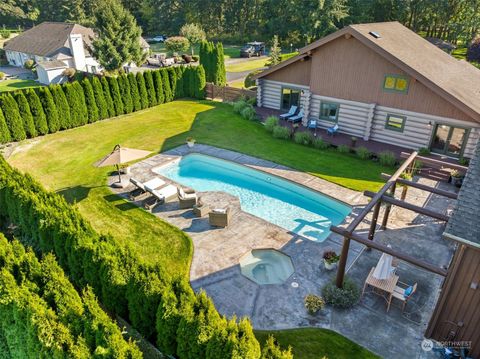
[{"x": 381, "y": 82}]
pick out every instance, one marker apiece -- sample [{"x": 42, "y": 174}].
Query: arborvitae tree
[
  {"x": 4, "y": 132},
  {"x": 108, "y": 97},
  {"x": 82, "y": 102},
  {"x": 25, "y": 114},
  {"x": 220, "y": 74},
  {"x": 92, "y": 108},
  {"x": 74, "y": 103},
  {"x": 142, "y": 90},
  {"x": 179, "y": 85},
  {"x": 172, "y": 76},
  {"x": 99, "y": 98},
  {"x": 137, "y": 104},
  {"x": 38, "y": 114},
  {"x": 166, "y": 85},
  {"x": 271, "y": 350},
  {"x": 63, "y": 109},
  {"x": 199, "y": 82},
  {"x": 187, "y": 81},
  {"x": 152, "y": 96},
  {"x": 206, "y": 54},
  {"x": 50, "y": 109},
  {"x": 124, "y": 86},
  {"x": 158, "y": 83},
  {"x": 116, "y": 96},
  {"x": 12, "y": 117}
]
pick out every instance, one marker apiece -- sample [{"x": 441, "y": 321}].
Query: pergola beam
[
  {"x": 409, "y": 206},
  {"x": 383, "y": 248},
  {"x": 423, "y": 187}
]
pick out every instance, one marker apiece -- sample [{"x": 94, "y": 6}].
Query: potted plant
[
  {"x": 313, "y": 303},
  {"x": 456, "y": 178},
  {"x": 190, "y": 142},
  {"x": 354, "y": 141},
  {"x": 330, "y": 259}
]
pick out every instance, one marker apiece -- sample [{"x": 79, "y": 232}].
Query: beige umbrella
[{"x": 121, "y": 155}]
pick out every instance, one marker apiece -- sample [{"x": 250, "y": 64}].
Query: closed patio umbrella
[
  {"x": 384, "y": 268},
  {"x": 121, "y": 155}
]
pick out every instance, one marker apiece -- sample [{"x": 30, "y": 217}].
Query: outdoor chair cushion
[
  {"x": 408, "y": 292},
  {"x": 154, "y": 183},
  {"x": 219, "y": 210}
]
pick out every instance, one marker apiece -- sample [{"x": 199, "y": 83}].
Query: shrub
[
  {"x": 12, "y": 117},
  {"x": 29, "y": 64},
  {"x": 249, "y": 113},
  {"x": 330, "y": 257},
  {"x": 423, "y": 151},
  {"x": 100, "y": 100},
  {"x": 281, "y": 132},
  {"x": 50, "y": 109},
  {"x": 158, "y": 83},
  {"x": 25, "y": 114},
  {"x": 2, "y": 75},
  {"x": 177, "y": 44},
  {"x": 363, "y": 153},
  {"x": 239, "y": 105},
  {"x": 173, "y": 77},
  {"x": 343, "y": 149},
  {"x": 473, "y": 51},
  {"x": 387, "y": 158},
  {"x": 199, "y": 82},
  {"x": 38, "y": 114},
  {"x": 195, "y": 58},
  {"x": 124, "y": 88},
  {"x": 220, "y": 78},
  {"x": 464, "y": 161},
  {"x": 179, "y": 93},
  {"x": 63, "y": 109},
  {"x": 249, "y": 81},
  {"x": 167, "y": 88},
  {"x": 137, "y": 104},
  {"x": 91, "y": 103},
  {"x": 320, "y": 144},
  {"x": 5, "y": 34},
  {"x": 142, "y": 90},
  {"x": 82, "y": 104},
  {"x": 342, "y": 298},
  {"x": 4, "y": 132},
  {"x": 271, "y": 122},
  {"x": 271, "y": 350},
  {"x": 303, "y": 138},
  {"x": 116, "y": 96},
  {"x": 70, "y": 73},
  {"x": 152, "y": 95},
  {"x": 313, "y": 303}
]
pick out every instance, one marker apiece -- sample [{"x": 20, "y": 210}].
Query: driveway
[{"x": 17, "y": 72}]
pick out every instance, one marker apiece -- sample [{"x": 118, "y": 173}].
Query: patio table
[{"x": 385, "y": 285}]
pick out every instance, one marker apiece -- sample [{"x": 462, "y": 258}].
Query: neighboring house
[
  {"x": 56, "y": 42},
  {"x": 381, "y": 82}
]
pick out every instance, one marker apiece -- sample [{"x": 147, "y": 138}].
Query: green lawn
[
  {"x": 313, "y": 343},
  {"x": 230, "y": 51},
  {"x": 12, "y": 85},
  {"x": 249, "y": 65},
  {"x": 460, "y": 53}
]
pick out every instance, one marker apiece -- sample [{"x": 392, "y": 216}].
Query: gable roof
[
  {"x": 464, "y": 224},
  {"x": 458, "y": 82},
  {"x": 52, "y": 65},
  {"x": 49, "y": 39}
]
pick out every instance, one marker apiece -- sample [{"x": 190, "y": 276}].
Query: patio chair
[
  {"x": 186, "y": 200},
  {"x": 159, "y": 196},
  {"x": 404, "y": 292},
  {"x": 220, "y": 217},
  {"x": 332, "y": 130},
  {"x": 290, "y": 113},
  {"x": 140, "y": 190},
  {"x": 296, "y": 118},
  {"x": 312, "y": 124}
]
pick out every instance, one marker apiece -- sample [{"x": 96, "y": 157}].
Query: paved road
[{"x": 235, "y": 76}]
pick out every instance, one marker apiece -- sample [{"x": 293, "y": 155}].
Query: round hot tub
[{"x": 266, "y": 266}]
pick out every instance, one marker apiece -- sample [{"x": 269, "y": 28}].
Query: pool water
[
  {"x": 278, "y": 201},
  {"x": 266, "y": 266}
]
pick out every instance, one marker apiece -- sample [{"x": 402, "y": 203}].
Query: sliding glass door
[
  {"x": 449, "y": 140},
  {"x": 290, "y": 97}
]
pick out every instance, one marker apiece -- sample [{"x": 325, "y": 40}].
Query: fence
[{"x": 227, "y": 93}]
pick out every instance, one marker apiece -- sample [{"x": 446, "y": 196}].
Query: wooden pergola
[{"x": 387, "y": 195}]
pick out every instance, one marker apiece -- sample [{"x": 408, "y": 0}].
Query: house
[
  {"x": 381, "y": 82},
  {"x": 55, "y": 42}
]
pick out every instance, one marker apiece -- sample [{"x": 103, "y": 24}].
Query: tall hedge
[
  {"x": 100, "y": 100},
  {"x": 4, "y": 131},
  {"x": 25, "y": 114},
  {"x": 73, "y": 100},
  {"x": 90, "y": 101},
  {"x": 137, "y": 104},
  {"x": 63, "y": 109},
  {"x": 142, "y": 90},
  {"x": 50, "y": 109},
  {"x": 108, "y": 97},
  {"x": 220, "y": 72},
  {"x": 116, "y": 96},
  {"x": 82, "y": 109},
  {"x": 199, "y": 82},
  {"x": 167, "y": 88},
  {"x": 38, "y": 114},
  {"x": 173, "y": 77},
  {"x": 124, "y": 86},
  {"x": 158, "y": 83},
  {"x": 179, "y": 83},
  {"x": 150, "y": 86},
  {"x": 12, "y": 117}
]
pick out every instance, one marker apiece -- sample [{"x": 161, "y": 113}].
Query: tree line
[
  {"x": 30, "y": 113},
  {"x": 296, "y": 22}
]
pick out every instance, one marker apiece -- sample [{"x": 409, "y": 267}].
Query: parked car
[
  {"x": 254, "y": 48},
  {"x": 158, "y": 38}
]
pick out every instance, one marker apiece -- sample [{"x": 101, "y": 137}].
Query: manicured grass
[
  {"x": 230, "y": 51},
  {"x": 246, "y": 65},
  {"x": 314, "y": 343},
  {"x": 12, "y": 85},
  {"x": 460, "y": 53}
]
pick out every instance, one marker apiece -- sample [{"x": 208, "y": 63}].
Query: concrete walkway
[{"x": 217, "y": 251}]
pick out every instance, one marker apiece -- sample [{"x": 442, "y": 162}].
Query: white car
[{"x": 159, "y": 38}]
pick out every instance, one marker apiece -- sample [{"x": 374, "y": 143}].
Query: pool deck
[{"x": 217, "y": 252}]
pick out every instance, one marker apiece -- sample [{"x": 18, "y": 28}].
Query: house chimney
[{"x": 78, "y": 52}]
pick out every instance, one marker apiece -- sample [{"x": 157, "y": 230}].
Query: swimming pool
[{"x": 278, "y": 201}]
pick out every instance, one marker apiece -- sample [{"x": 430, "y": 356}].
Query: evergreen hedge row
[
  {"x": 162, "y": 308},
  {"x": 30, "y": 113},
  {"x": 43, "y": 316}
]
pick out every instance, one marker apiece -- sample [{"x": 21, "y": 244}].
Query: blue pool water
[{"x": 281, "y": 202}]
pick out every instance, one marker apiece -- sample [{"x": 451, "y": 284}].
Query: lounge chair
[
  {"x": 140, "y": 190},
  {"x": 404, "y": 293},
  {"x": 332, "y": 130},
  {"x": 186, "y": 200},
  {"x": 296, "y": 118},
  {"x": 290, "y": 113},
  {"x": 159, "y": 196},
  {"x": 220, "y": 217}
]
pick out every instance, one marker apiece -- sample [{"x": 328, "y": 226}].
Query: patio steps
[{"x": 435, "y": 174}]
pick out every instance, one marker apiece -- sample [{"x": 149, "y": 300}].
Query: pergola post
[
  {"x": 343, "y": 262},
  {"x": 389, "y": 207},
  {"x": 404, "y": 193},
  {"x": 373, "y": 224}
]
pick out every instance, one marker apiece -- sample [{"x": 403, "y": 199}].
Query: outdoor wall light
[
  {"x": 429, "y": 123},
  {"x": 474, "y": 285}
]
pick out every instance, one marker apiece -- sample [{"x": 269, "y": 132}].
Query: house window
[
  {"x": 329, "y": 111},
  {"x": 290, "y": 97},
  {"x": 395, "y": 122},
  {"x": 395, "y": 83}
]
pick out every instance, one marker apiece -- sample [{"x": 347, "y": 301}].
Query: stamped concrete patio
[{"x": 217, "y": 252}]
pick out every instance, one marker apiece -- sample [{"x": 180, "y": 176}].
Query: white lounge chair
[
  {"x": 140, "y": 190},
  {"x": 290, "y": 113},
  {"x": 159, "y": 196},
  {"x": 296, "y": 118}
]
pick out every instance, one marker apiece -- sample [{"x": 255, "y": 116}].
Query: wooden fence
[{"x": 227, "y": 93}]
